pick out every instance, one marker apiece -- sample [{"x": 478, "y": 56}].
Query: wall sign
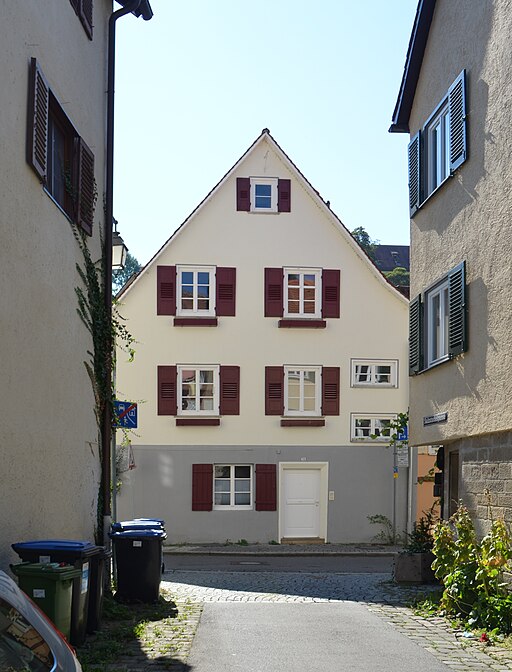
[{"x": 434, "y": 419}]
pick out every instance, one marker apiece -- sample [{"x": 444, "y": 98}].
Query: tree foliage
[
  {"x": 121, "y": 276},
  {"x": 399, "y": 277},
  {"x": 363, "y": 238}
]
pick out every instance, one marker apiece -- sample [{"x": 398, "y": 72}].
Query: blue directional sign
[
  {"x": 126, "y": 414},
  {"x": 404, "y": 434}
]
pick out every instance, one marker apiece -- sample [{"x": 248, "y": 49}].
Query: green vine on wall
[{"x": 106, "y": 331}]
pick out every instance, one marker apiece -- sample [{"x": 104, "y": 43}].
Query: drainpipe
[{"x": 139, "y": 8}]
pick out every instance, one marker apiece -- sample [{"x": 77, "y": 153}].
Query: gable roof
[
  {"x": 265, "y": 136},
  {"x": 413, "y": 61}
]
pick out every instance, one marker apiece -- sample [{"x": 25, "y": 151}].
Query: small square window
[
  {"x": 370, "y": 427},
  {"x": 232, "y": 486},
  {"x": 264, "y": 194},
  {"x": 374, "y": 373}
]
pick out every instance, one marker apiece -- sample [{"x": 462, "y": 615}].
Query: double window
[
  {"x": 58, "y": 155},
  {"x": 198, "y": 390},
  {"x": 196, "y": 290},
  {"x": 302, "y": 296},
  {"x": 440, "y": 147},
  {"x": 232, "y": 488},
  {"x": 371, "y": 427},
  {"x": 437, "y": 322},
  {"x": 302, "y": 390},
  {"x": 374, "y": 373}
]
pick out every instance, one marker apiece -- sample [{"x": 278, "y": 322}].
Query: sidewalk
[{"x": 283, "y": 549}]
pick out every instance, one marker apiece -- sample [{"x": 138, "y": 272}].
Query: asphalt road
[
  {"x": 244, "y": 563},
  {"x": 314, "y": 637}
]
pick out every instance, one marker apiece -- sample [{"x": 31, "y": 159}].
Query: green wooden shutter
[
  {"x": 457, "y": 109},
  {"x": 414, "y": 159},
  {"x": 457, "y": 336},
  {"x": 415, "y": 335}
]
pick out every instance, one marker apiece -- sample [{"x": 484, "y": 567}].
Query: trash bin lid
[
  {"x": 138, "y": 534},
  {"x": 139, "y": 524},
  {"x": 52, "y": 570},
  {"x": 71, "y": 546}
]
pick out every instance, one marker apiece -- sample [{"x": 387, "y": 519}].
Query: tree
[
  {"x": 364, "y": 240},
  {"x": 399, "y": 277},
  {"x": 121, "y": 276}
]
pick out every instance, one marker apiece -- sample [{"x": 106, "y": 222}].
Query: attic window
[{"x": 264, "y": 194}]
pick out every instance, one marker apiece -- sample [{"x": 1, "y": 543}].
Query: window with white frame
[
  {"x": 371, "y": 427},
  {"x": 264, "y": 194},
  {"x": 198, "y": 390},
  {"x": 303, "y": 292},
  {"x": 438, "y": 149},
  {"x": 232, "y": 486},
  {"x": 196, "y": 290},
  {"x": 374, "y": 373},
  {"x": 302, "y": 390},
  {"x": 438, "y": 322}
]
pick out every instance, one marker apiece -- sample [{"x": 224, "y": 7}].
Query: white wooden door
[{"x": 301, "y": 501}]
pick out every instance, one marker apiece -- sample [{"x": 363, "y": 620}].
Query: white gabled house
[{"x": 271, "y": 353}]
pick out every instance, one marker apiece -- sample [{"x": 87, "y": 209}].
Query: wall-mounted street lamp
[{"x": 119, "y": 250}]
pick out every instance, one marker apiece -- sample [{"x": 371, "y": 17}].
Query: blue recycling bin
[
  {"x": 80, "y": 554},
  {"x": 138, "y": 550}
]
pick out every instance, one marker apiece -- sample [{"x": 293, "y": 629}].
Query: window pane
[
  {"x": 309, "y": 294},
  {"x": 293, "y": 403},
  {"x": 263, "y": 189},
  {"x": 222, "y": 471},
  {"x": 222, "y": 499},
  {"x": 203, "y": 278},
  {"x": 383, "y": 374},
  {"x": 188, "y": 404},
  {"x": 242, "y": 485},
  {"x": 362, "y": 427},
  {"x": 242, "y": 499},
  {"x": 362, "y": 373},
  {"x": 293, "y": 279},
  {"x": 262, "y": 202},
  {"x": 309, "y": 377},
  {"x": 187, "y": 278},
  {"x": 203, "y": 291},
  {"x": 293, "y": 307},
  {"x": 293, "y": 293},
  {"x": 243, "y": 472},
  {"x": 309, "y": 279},
  {"x": 435, "y": 325},
  {"x": 222, "y": 485},
  {"x": 207, "y": 376},
  {"x": 203, "y": 304},
  {"x": 309, "y": 307},
  {"x": 187, "y": 304},
  {"x": 309, "y": 404},
  {"x": 206, "y": 390},
  {"x": 206, "y": 404},
  {"x": 382, "y": 427}
]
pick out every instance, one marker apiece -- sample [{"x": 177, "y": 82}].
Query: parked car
[{"x": 29, "y": 641}]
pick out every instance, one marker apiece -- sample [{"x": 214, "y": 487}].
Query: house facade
[
  {"x": 454, "y": 102},
  {"x": 52, "y": 137},
  {"x": 270, "y": 350}
]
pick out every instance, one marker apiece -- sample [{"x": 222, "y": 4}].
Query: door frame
[{"x": 323, "y": 468}]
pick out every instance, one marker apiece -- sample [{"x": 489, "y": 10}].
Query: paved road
[
  {"x": 263, "y": 619},
  {"x": 232, "y": 563}
]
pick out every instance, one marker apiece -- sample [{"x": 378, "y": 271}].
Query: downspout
[{"x": 106, "y": 433}]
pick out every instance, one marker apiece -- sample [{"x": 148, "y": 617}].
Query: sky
[{"x": 196, "y": 85}]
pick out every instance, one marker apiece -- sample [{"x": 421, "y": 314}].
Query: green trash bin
[{"x": 50, "y": 586}]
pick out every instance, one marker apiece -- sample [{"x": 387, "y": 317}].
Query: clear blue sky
[{"x": 196, "y": 85}]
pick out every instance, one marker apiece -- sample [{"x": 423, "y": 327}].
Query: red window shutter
[
  {"x": 274, "y": 390},
  {"x": 284, "y": 195},
  {"x": 87, "y": 193},
  {"x": 225, "y": 291},
  {"x": 202, "y": 487},
  {"x": 273, "y": 292},
  {"x": 85, "y": 14},
  {"x": 266, "y": 487},
  {"x": 37, "y": 122},
  {"x": 330, "y": 293},
  {"x": 230, "y": 390},
  {"x": 167, "y": 390},
  {"x": 243, "y": 193},
  {"x": 166, "y": 290},
  {"x": 330, "y": 390}
]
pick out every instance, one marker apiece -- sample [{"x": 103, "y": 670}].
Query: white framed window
[
  {"x": 437, "y": 132},
  {"x": 264, "y": 194},
  {"x": 232, "y": 486},
  {"x": 303, "y": 292},
  {"x": 438, "y": 323},
  {"x": 370, "y": 426},
  {"x": 198, "y": 390},
  {"x": 302, "y": 388},
  {"x": 374, "y": 373},
  {"x": 196, "y": 290}
]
